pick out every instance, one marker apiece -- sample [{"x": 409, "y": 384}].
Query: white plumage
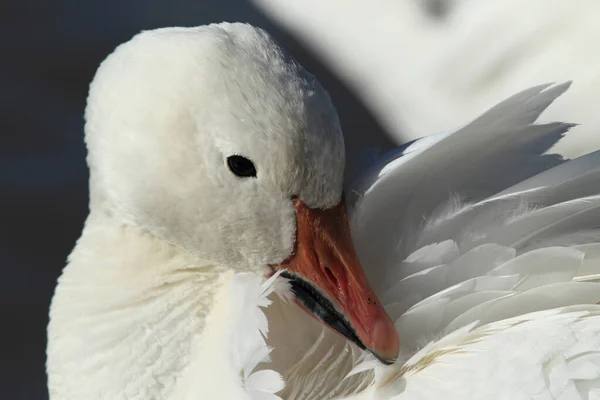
[{"x": 484, "y": 251}]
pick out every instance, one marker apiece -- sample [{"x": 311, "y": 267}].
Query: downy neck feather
[{"x": 127, "y": 313}]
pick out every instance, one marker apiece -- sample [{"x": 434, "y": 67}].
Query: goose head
[{"x": 216, "y": 141}]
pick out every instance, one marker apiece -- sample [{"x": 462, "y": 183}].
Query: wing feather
[
  {"x": 496, "y": 151},
  {"x": 486, "y": 252}
]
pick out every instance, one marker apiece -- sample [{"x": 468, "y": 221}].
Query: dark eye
[{"x": 241, "y": 166}]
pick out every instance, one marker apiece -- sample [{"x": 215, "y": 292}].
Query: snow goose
[
  {"x": 211, "y": 152},
  {"x": 216, "y": 169}
]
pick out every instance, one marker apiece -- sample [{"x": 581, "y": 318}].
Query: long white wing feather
[
  {"x": 486, "y": 253},
  {"x": 497, "y": 150}
]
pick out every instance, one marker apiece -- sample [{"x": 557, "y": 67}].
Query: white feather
[
  {"x": 466, "y": 162},
  {"x": 477, "y": 263}
]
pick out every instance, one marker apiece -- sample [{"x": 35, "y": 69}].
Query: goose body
[{"x": 187, "y": 279}]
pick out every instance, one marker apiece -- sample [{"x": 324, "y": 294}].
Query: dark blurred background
[{"x": 49, "y": 52}]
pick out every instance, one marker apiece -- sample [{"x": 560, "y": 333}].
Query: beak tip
[{"x": 386, "y": 344}]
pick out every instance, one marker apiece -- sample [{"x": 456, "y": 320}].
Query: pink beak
[{"x": 330, "y": 284}]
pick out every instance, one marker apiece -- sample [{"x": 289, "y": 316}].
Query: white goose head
[{"x": 214, "y": 140}]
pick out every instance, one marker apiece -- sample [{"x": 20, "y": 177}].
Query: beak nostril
[{"x": 331, "y": 276}]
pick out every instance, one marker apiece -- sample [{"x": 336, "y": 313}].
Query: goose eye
[{"x": 241, "y": 166}]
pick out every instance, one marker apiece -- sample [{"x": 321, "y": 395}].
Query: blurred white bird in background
[
  {"x": 426, "y": 66},
  {"x": 217, "y": 219}
]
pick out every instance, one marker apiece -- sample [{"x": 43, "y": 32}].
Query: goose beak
[{"x": 329, "y": 282}]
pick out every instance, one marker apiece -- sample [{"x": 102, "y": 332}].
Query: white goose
[{"x": 216, "y": 161}]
